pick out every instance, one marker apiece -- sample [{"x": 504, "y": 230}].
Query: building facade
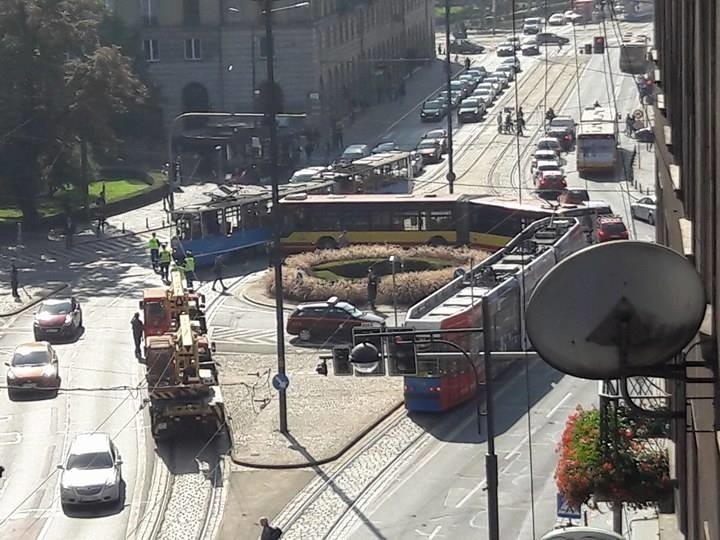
[
  {"x": 687, "y": 135},
  {"x": 329, "y": 56}
]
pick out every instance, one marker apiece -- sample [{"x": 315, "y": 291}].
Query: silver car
[
  {"x": 644, "y": 209},
  {"x": 92, "y": 472}
]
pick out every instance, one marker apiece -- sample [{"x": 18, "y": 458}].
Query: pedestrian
[
  {"x": 508, "y": 123},
  {"x": 218, "y": 272},
  {"x": 14, "y": 282},
  {"x": 154, "y": 246},
  {"x": 343, "y": 240},
  {"x": 467, "y": 63},
  {"x": 268, "y": 531},
  {"x": 164, "y": 258},
  {"x": 520, "y": 113},
  {"x": 500, "y": 122},
  {"x": 440, "y": 51},
  {"x": 560, "y": 44},
  {"x": 520, "y": 125},
  {"x": 101, "y": 212},
  {"x": 137, "y": 330},
  {"x": 549, "y": 115},
  {"x": 189, "y": 268},
  {"x": 629, "y": 125},
  {"x": 372, "y": 286}
]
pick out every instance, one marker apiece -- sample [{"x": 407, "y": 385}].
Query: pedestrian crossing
[{"x": 239, "y": 336}]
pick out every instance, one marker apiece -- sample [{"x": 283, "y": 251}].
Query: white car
[
  {"x": 532, "y": 25},
  {"x": 544, "y": 155},
  {"x": 572, "y": 17},
  {"x": 550, "y": 143},
  {"x": 493, "y": 88},
  {"x": 508, "y": 71},
  {"x": 546, "y": 165},
  {"x": 305, "y": 175},
  {"x": 644, "y": 209},
  {"x": 485, "y": 95},
  {"x": 92, "y": 472},
  {"x": 505, "y": 49},
  {"x": 498, "y": 80},
  {"x": 556, "y": 19}
]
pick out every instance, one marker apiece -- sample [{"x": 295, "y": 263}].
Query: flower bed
[
  {"x": 627, "y": 470},
  {"x": 300, "y": 283}
]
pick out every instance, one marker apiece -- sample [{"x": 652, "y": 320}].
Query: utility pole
[
  {"x": 491, "y": 466},
  {"x": 448, "y": 72}
]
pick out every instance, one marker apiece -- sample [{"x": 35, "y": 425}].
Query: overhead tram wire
[
  {"x": 577, "y": 86},
  {"x": 517, "y": 108}
]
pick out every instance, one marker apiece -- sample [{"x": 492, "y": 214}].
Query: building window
[
  {"x": 193, "y": 49},
  {"x": 148, "y": 16},
  {"x": 151, "y": 50},
  {"x": 191, "y": 12}
]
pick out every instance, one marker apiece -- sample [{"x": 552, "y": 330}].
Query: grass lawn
[{"x": 119, "y": 189}]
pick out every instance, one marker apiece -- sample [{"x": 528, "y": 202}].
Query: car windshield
[
  {"x": 56, "y": 308},
  {"x": 90, "y": 461},
  {"x": 435, "y": 134},
  {"x": 431, "y": 105},
  {"x": 352, "y": 310},
  {"x": 385, "y": 146},
  {"x": 31, "y": 358},
  {"x": 427, "y": 144},
  {"x": 562, "y": 122},
  {"x": 532, "y": 21}
]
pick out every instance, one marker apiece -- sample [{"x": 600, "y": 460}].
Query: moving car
[
  {"x": 331, "y": 319},
  {"x": 60, "y": 318},
  {"x": 439, "y": 135},
  {"x": 611, "y": 228},
  {"x": 464, "y": 46},
  {"x": 550, "y": 143},
  {"x": 531, "y": 25},
  {"x": 486, "y": 95},
  {"x": 530, "y": 47},
  {"x": 562, "y": 134},
  {"x": 548, "y": 38},
  {"x": 505, "y": 49},
  {"x": 355, "y": 151},
  {"x": 551, "y": 183},
  {"x": 92, "y": 472},
  {"x": 513, "y": 63},
  {"x": 34, "y": 366},
  {"x": 386, "y": 146},
  {"x": 493, "y": 88},
  {"x": 430, "y": 150},
  {"x": 556, "y": 19},
  {"x": 432, "y": 111},
  {"x": 515, "y": 40},
  {"x": 471, "y": 110},
  {"x": 644, "y": 209},
  {"x": 509, "y": 71},
  {"x": 304, "y": 175},
  {"x": 574, "y": 196},
  {"x": 543, "y": 155},
  {"x": 572, "y": 17}
]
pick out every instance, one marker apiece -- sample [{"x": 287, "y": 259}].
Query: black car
[
  {"x": 463, "y": 46},
  {"x": 563, "y": 134},
  {"x": 471, "y": 110},
  {"x": 548, "y": 38},
  {"x": 432, "y": 111}
]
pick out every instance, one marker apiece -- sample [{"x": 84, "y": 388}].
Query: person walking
[
  {"x": 629, "y": 125},
  {"x": 164, "y": 257},
  {"x": 101, "y": 212},
  {"x": 467, "y": 63},
  {"x": 14, "y": 281},
  {"x": 520, "y": 122},
  {"x": 508, "y": 123},
  {"x": 268, "y": 531},
  {"x": 137, "y": 331},
  {"x": 154, "y": 246},
  {"x": 218, "y": 268},
  {"x": 372, "y": 287},
  {"x": 189, "y": 268},
  {"x": 500, "y": 122}
]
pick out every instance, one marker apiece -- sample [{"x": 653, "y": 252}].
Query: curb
[
  {"x": 323, "y": 461},
  {"x": 268, "y": 304},
  {"x": 34, "y": 302}
]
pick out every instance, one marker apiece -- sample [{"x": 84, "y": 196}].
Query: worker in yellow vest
[
  {"x": 165, "y": 258},
  {"x": 154, "y": 245},
  {"x": 189, "y": 268}
]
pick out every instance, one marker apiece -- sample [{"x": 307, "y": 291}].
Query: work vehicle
[
  {"x": 162, "y": 306},
  {"x": 471, "y": 110},
  {"x": 92, "y": 472},
  {"x": 502, "y": 283},
  {"x": 531, "y": 25},
  {"x": 316, "y": 221},
  {"x": 644, "y": 209},
  {"x": 182, "y": 382},
  {"x": 432, "y": 111},
  {"x": 597, "y": 141},
  {"x": 58, "y": 318},
  {"x": 430, "y": 150},
  {"x": 611, "y": 228},
  {"x": 33, "y": 367},
  {"x": 331, "y": 320},
  {"x": 439, "y": 135}
]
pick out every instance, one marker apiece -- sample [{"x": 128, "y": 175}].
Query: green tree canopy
[{"x": 60, "y": 85}]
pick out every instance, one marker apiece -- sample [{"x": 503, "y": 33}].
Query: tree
[{"x": 60, "y": 89}]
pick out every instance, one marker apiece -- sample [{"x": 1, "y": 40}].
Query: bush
[{"x": 410, "y": 287}]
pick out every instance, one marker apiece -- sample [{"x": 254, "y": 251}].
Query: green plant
[{"x": 622, "y": 469}]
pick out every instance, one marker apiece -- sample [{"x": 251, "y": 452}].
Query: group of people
[{"x": 507, "y": 125}]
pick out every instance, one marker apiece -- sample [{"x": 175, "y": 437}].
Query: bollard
[
  {"x": 123, "y": 227},
  {"x": 147, "y": 223},
  {"x": 19, "y": 234}
]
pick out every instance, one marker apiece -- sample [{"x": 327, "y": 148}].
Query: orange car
[{"x": 34, "y": 366}]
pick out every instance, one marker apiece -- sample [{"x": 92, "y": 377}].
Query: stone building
[
  {"x": 329, "y": 56},
  {"x": 687, "y": 139}
]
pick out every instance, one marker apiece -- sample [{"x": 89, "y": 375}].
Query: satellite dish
[{"x": 612, "y": 308}]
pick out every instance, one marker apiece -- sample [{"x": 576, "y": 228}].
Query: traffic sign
[
  {"x": 280, "y": 382},
  {"x": 564, "y": 510}
]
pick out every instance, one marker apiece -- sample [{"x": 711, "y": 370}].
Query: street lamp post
[
  {"x": 392, "y": 262},
  {"x": 220, "y": 175},
  {"x": 448, "y": 74}
]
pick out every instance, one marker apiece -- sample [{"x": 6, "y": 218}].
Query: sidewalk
[{"x": 29, "y": 296}]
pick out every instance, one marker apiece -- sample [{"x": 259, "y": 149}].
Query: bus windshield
[{"x": 597, "y": 145}]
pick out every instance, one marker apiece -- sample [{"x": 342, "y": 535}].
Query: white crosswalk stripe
[{"x": 239, "y": 336}]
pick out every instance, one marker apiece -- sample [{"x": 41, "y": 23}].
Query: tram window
[
  {"x": 380, "y": 220},
  {"x": 211, "y": 223},
  {"x": 439, "y": 220},
  {"x": 407, "y": 221},
  {"x": 356, "y": 221},
  {"x": 326, "y": 221},
  {"x": 232, "y": 220}
]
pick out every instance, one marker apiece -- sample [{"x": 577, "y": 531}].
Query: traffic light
[
  {"x": 369, "y": 334},
  {"x": 341, "y": 361},
  {"x": 402, "y": 359},
  {"x": 599, "y": 45}
]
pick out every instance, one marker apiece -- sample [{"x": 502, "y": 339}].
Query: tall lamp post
[{"x": 448, "y": 73}]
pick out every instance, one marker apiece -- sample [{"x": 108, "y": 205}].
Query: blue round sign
[{"x": 280, "y": 382}]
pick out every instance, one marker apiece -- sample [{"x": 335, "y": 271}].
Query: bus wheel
[
  {"x": 437, "y": 241},
  {"x": 327, "y": 242}
]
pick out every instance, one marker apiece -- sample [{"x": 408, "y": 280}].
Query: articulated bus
[
  {"x": 316, "y": 221},
  {"x": 597, "y": 141}
]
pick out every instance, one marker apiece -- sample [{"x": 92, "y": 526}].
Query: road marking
[
  {"x": 434, "y": 534},
  {"x": 471, "y": 493},
  {"x": 560, "y": 404},
  {"x": 10, "y": 437}
]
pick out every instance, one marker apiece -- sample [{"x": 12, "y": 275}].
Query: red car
[
  {"x": 330, "y": 320},
  {"x": 60, "y": 318},
  {"x": 33, "y": 366},
  {"x": 611, "y": 228},
  {"x": 551, "y": 182}
]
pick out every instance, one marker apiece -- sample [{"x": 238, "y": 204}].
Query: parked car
[
  {"x": 513, "y": 63},
  {"x": 471, "y": 80},
  {"x": 530, "y": 48},
  {"x": 499, "y": 81},
  {"x": 548, "y": 38},
  {"x": 58, "y": 318},
  {"x": 385, "y": 146},
  {"x": 355, "y": 151},
  {"x": 611, "y": 228},
  {"x": 479, "y": 72},
  {"x": 531, "y": 25},
  {"x": 471, "y": 110},
  {"x": 505, "y": 49},
  {"x": 432, "y": 110},
  {"x": 34, "y": 366},
  {"x": 430, "y": 150},
  {"x": 461, "y": 86},
  {"x": 644, "y": 209},
  {"x": 546, "y": 165},
  {"x": 306, "y": 174},
  {"x": 332, "y": 319},
  {"x": 439, "y": 135},
  {"x": 556, "y": 19},
  {"x": 550, "y": 143},
  {"x": 456, "y": 98},
  {"x": 464, "y": 46},
  {"x": 92, "y": 472}
]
